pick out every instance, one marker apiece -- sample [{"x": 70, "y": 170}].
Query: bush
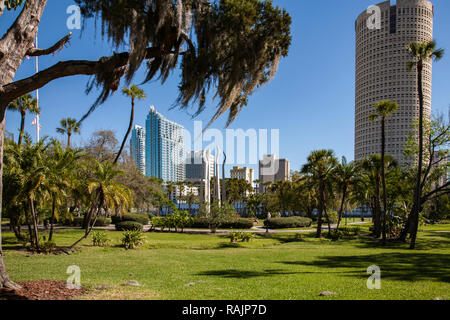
[
  {"x": 132, "y": 239},
  {"x": 140, "y": 218},
  {"x": 243, "y": 236},
  {"x": 289, "y": 222},
  {"x": 100, "y": 239},
  {"x": 129, "y": 226},
  {"x": 203, "y": 223},
  {"x": 101, "y": 222}
]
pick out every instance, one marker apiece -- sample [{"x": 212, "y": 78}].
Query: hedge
[
  {"x": 203, "y": 223},
  {"x": 101, "y": 222},
  {"x": 129, "y": 226},
  {"x": 289, "y": 222},
  {"x": 140, "y": 218}
]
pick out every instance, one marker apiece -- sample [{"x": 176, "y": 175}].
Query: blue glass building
[{"x": 164, "y": 148}]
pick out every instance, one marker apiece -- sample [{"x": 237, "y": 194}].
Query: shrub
[
  {"x": 140, "y": 218},
  {"x": 289, "y": 222},
  {"x": 246, "y": 236},
  {"x": 129, "y": 226},
  {"x": 203, "y": 223},
  {"x": 243, "y": 236},
  {"x": 78, "y": 221},
  {"x": 238, "y": 224},
  {"x": 132, "y": 239},
  {"x": 100, "y": 239},
  {"x": 101, "y": 221}
]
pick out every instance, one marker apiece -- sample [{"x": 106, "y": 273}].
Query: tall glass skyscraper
[
  {"x": 164, "y": 148},
  {"x": 138, "y": 147}
]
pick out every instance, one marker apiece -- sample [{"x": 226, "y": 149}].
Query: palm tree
[
  {"x": 319, "y": 167},
  {"x": 69, "y": 126},
  {"x": 344, "y": 176},
  {"x": 24, "y": 104},
  {"x": 421, "y": 53},
  {"x": 105, "y": 194},
  {"x": 383, "y": 110},
  {"x": 133, "y": 92},
  {"x": 370, "y": 180}
]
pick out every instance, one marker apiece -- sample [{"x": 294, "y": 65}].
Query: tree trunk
[
  {"x": 341, "y": 209},
  {"x": 68, "y": 140},
  {"x": 50, "y": 236},
  {"x": 128, "y": 132},
  {"x": 13, "y": 47},
  {"x": 22, "y": 127},
  {"x": 35, "y": 225},
  {"x": 4, "y": 279},
  {"x": 418, "y": 191},
  {"x": 321, "y": 208},
  {"x": 383, "y": 176}
]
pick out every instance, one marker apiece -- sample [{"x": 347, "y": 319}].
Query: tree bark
[
  {"x": 128, "y": 132},
  {"x": 417, "y": 192},
  {"x": 22, "y": 127},
  {"x": 13, "y": 47},
  {"x": 383, "y": 176},
  {"x": 321, "y": 208},
  {"x": 4, "y": 279}
]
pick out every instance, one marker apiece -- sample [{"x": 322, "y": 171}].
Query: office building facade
[
  {"x": 164, "y": 148},
  {"x": 382, "y": 74},
  {"x": 272, "y": 169},
  {"x": 137, "y": 146}
]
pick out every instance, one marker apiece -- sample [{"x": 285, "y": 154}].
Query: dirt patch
[{"x": 41, "y": 290}]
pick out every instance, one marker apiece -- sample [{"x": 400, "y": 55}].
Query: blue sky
[{"x": 311, "y": 100}]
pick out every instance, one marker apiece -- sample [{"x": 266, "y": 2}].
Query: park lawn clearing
[{"x": 272, "y": 267}]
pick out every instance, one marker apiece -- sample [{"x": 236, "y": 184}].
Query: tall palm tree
[
  {"x": 383, "y": 109},
  {"x": 69, "y": 126},
  {"x": 133, "y": 92},
  {"x": 344, "y": 176},
  {"x": 421, "y": 53},
  {"x": 24, "y": 104},
  {"x": 319, "y": 167}
]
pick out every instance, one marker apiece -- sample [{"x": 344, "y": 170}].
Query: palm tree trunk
[
  {"x": 68, "y": 140},
  {"x": 50, "y": 236},
  {"x": 383, "y": 176},
  {"x": 35, "y": 224},
  {"x": 22, "y": 127},
  {"x": 417, "y": 192},
  {"x": 128, "y": 132},
  {"x": 321, "y": 208},
  {"x": 344, "y": 191}
]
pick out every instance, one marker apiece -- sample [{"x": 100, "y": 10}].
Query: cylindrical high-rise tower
[{"x": 382, "y": 73}]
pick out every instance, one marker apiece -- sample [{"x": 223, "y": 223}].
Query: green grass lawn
[{"x": 183, "y": 266}]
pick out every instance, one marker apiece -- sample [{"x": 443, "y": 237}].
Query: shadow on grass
[
  {"x": 396, "y": 266},
  {"x": 244, "y": 274}
]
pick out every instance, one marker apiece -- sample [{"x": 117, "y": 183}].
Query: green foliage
[
  {"x": 289, "y": 222},
  {"x": 100, "y": 239},
  {"x": 141, "y": 218},
  {"x": 217, "y": 214},
  {"x": 177, "y": 220},
  {"x": 101, "y": 221},
  {"x": 235, "y": 48},
  {"x": 129, "y": 226},
  {"x": 132, "y": 239},
  {"x": 243, "y": 236}
]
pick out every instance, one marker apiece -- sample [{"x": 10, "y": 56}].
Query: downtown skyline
[{"x": 308, "y": 120}]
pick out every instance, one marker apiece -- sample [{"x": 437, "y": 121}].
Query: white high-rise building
[
  {"x": 382, "y": 74},
  {"x": 137, "y": 146}
]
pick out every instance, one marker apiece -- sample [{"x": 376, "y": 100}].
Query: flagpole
[{"x": 37, "y": 96}]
